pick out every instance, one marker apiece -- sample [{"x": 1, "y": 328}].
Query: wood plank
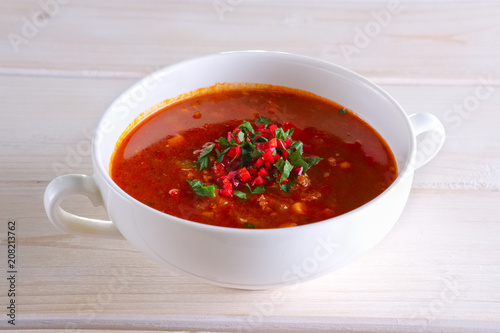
[
  {"x": 274, "y": 324},
  {"x": 51, "y": 120},
  {"x": 423, "y": 40}
]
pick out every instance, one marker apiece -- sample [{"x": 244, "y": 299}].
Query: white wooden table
[{"x": 63, "y": 62}]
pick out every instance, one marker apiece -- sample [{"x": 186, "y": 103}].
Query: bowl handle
[
  {"x": 430, "y": 135},
  {"x": 64, "y": 186}
]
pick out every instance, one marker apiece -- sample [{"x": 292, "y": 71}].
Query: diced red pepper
[
  {"x": 257, "y": 181},
  {"x": 268, "y": 133},
  {"x": 270, "y": 145},
  {"x": 273, "y": 143},
  {"x": 268, "y": 157},
  {"x": 263, "y": 172},
  {"x": 259, "y": 162},
  {"x": 276, "y": 157},
  {"x": 285, "y": 154},
  {"x": 272, "y": 128},
  {"x": 260, "y": 127},
  {"x": 229, "y": 136},
  {"x": 267, "y": 165},
  {"x": 232, "y": 174},
  {"x": 234, "y": 152},
  {"x": 244, "y": 175},
  {"x": 225, "y": 193},
  {"x": 252, "y": 170},
  {"x": 262, "y": 146},
  {"x": 218, "y": 169},
  {"x": 227, "y": 190}
]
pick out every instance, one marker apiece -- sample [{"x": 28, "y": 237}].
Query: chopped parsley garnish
[
  {"x": 202, "y": 189},
  {"x": 202, "y": 161},
  {"x": 262, "y": 120},
  {"x": 313, "y": 161},
  {"x": 258, "y": 189},
  {"x": 280, "y": 134},
  {"x": 286, "y": 187},
  {"x": 246, "y": 126},
  {"x": 239, "y": 194},
  {"x": 255, "y": 155}
]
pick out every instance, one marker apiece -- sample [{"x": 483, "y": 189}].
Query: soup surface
[{"x": 253, "y": 157}]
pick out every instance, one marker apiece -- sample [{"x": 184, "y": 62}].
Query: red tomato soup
[{"x": 253, "y": 156}]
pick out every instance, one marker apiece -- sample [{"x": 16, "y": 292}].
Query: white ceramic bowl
[{"x": 242, "y": 258}]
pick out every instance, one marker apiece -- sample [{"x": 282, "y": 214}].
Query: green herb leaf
[
  {"x": 241, "y": 136},
  {"x": 342, "y": 111},
  {"x": 313, "y": 160},
  {"x": 246, "y": 155},
  {"x": 296, "y": 159},
  {"x": 282, "y": 134},
  {"x": 239, "y": 194},
  {"x": 202, "y": 161},
  {"x": 279, "y": 133},
  {"x": 287, "y": 168},
  {"x": 286, "y": 187},
  {"x": 222, "y": 140},
  {"x": 202, "y": 189},
  {"x": 220, "y": 155},
  {"x": 297, "y": 145},
  {"x": 256, "y": 153},
  {"x": 248, "y": 144},
  {"x": 232, "y": 142},
  {"x": 246, "y": 126},
  {"x": 258, "y": 189},
  {"x": 262, "y": 120},
  {"x": 248, "y": 225},
  {"x": 279, "y": 164}
]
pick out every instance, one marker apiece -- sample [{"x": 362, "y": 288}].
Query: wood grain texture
[
  {"x": 437, "y": 271},
  {"x": 416, "y": 39}
]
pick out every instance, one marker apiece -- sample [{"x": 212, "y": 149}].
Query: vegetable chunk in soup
[{"x": 253, "y": 157}]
